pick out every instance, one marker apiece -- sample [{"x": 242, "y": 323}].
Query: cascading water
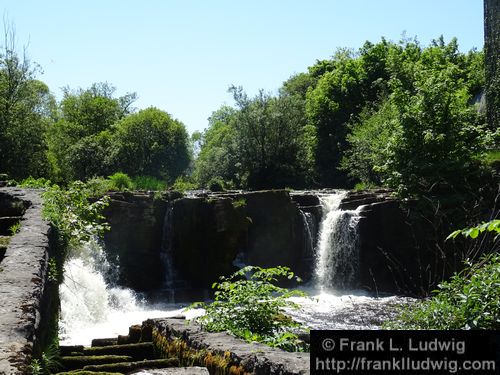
[
  {"x": 334, "y": 303},
  {"x": 337, "y": 249},
  {"x": 309, "y": 231},
  {"x": 91, "y": 307}
]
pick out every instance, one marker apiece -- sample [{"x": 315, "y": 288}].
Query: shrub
[
  {"x": 35, "y": 183},
  {"x": 148, "y": 183},
  {"x": 183, "y": 183},
  {"x": 75, "y": 218},
  {"x": 120, "y": 181},
  {"x": 468, "y": 301},
  {"x": 252, "y": 308},
  {"x": 216, "y": 184},
  {"x": 98, "y": 186}
]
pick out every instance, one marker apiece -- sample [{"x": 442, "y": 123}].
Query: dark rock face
[
  {"x": 135, "y": 238},
  {"x": 203, "y": 235},
  {"x": 385, "y": 241},
  {"x": 207, "y": 234},
  {"x": 398, "y": 251},
  {"x": 23, "y": 288},
  {"x": 276, "y": 235},
  {"x": 255, "y": 358}
]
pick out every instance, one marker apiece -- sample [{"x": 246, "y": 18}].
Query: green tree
[
  {"x": 26, "y": 111},
  {"x": 218, "y": 150},
  {"x": 79, "y": 142},
  {"x": 270, "y": 139},
  {"x": 425, "y": 133},
  {"x": 151, "y": 143}
]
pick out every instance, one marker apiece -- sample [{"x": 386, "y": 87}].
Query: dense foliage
[
  {"x": 394, "y": 114},
  {"x": 249, "y": 305},
  {"x": 89, "y": 133},
  {"x": 75, "y": 216}
]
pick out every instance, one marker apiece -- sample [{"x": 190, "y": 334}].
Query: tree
[
  {"x": 26, "y": 111},
  {"x": 79, "y": 142},
  {"x": 218, "y": 150},
  {"x": 151, "y": 143}
]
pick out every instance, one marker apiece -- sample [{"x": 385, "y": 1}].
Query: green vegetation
[
  {"x": 120, "y": 181},
  {"x": 75, "y": 217},
  {"x": 148, "y": 183},
  {"x": 253, "y": 308},
  {"x": 14, "y": 228},
  {"x": 469, "y": 300}
]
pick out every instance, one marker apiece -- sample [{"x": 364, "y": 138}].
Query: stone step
[
  {"x": 127, "y": 367},
  {"x": 83, "y": 372},
  {"x": 65, "y": 350},
  {"x": 175, "y": 371},
  {"x": 138, "y": 352},
  {"x": 79, "y": 362},
  {"x": 104, "y": 342}
]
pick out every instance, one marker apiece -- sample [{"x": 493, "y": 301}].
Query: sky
[{"x": 182, "y": 55}]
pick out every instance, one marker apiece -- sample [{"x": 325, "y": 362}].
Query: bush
[
  {"x": 35, "y": 183},
  {"x": 183, "y": 183},
  {"x": 216, "y": 184},
  {"x": 75, "y": 218},
  {"x": 148, "y": 183},
  {"x": 120, "y": 181},
  {"x": 252, "y": 308},
  {"x": 468, "y": 301},
  {"x": 98, "y": 186}
]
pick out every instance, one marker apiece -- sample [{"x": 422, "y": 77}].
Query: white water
[
  {"x": 91, "y": 308},
  {"x": 354, "y": 309},
  {"x": 337, "y": 248}
]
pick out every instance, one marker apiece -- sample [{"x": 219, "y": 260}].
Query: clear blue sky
[{"x": 181, "y": 55}]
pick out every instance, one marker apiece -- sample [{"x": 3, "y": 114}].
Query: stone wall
[
  {"x": 253, "y": 358},
  {"x": 23, "y": 272}
]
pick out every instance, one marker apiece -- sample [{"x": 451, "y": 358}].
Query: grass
[{"x": 492, "y": 157}]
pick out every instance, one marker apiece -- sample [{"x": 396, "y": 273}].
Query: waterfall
[
  {"x": 166, "y": 249},
  {"x": 337, "y": 248},
  {"x": 310, "y": 231},
  {"x": 94, "y": 307}
]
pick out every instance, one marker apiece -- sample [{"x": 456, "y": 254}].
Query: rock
[
  {"x": 135, "y": 238},
  {"x": 206, "y": 235},
  {"x": 24, "y": 294},
  {"x": 77, "y": 362},
  {"x": 104, "y": 342},
  {"x": 254, "y": 358},
  {"x": 137, "y": 351},
  {"x": 175, "y": 371},
  {"x": 127, "y": 367},
  {"x": 276, "y": 235}
]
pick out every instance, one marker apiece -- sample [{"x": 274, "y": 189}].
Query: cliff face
[
  {"x": 202, "y": 236},
  {"x": 492, "y": 61}
]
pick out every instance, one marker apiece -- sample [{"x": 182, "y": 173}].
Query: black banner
[{"x": 405, "y": 352}]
